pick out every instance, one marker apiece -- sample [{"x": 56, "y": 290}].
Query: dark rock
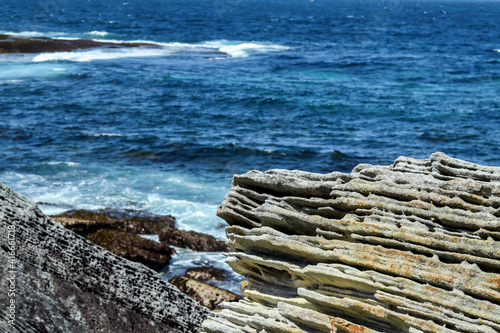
[
  {"x": 206, "y": 273},
  {"x": 204, "y": 293},
  {"x": 192, "y": 240},
  {"x": 58, "y": 281},
  {"x": 86, "y": 221},
  {"x": 133, "y": 247},
  {"x": 11, "y": 44}
]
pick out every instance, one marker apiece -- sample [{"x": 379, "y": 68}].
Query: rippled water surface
[{"x": 230, "y": 86}]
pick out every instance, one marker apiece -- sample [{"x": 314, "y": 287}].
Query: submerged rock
[
  {"x": 202, "y": 292},
  {"x": 53, "y": 280},
  {"x": 86, "y": 221},
  {"x": 133, "y": 247},
  {"x": 192, "y": 240},
  {"x": 410, "y": 247}
]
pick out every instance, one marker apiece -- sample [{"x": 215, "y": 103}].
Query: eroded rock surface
[
  {"x": 411, "y": 247},
  {"x": 138, "y": 222},
  {"x": 60, "y": 282},
  {"x": 192, "y": 240},
  {"x": 202, "y": 292}
]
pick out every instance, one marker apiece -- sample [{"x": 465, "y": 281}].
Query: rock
[
  {"x": 86, "y": 221},
  {"x": 53, "y": 280},
  {"x": 204, "y": 293},
  {"x": 11, "y": 44},
  {"x": 410, "y": 247},
  {"x": 133, "y": 247},
  {"x": 192, "y": 240},
  {"x": 206, "y": 273}
]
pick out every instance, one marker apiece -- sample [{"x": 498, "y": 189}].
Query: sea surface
[{"x": 236, "y": 85}]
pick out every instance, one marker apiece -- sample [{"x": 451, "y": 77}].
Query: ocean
[{"x": 235, "y": 85}]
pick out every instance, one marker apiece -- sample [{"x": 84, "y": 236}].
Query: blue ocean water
[{"x": 235, "y": 85}]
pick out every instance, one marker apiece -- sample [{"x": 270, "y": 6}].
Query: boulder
[
  {"x": 54, "y": 280},
  {"x": 192, "y": 240},
  {"x": 206, "y": 273},
  {"x": 410, "y": 247},
  {"x": 202, "y": 292},
  {"x": 138, "y": 222},
  {"x": 133, "y": 247}
]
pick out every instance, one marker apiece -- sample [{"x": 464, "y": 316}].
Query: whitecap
[
  {"x": 98, "y": 33},
  {"x": 497, "y": 50},
  {"x": 70, "y": 164},
  {"x": 101, "y": 54},
  {"x": 244, "y": 49}
]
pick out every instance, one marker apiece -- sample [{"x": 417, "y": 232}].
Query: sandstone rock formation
[
  {"x": 202, "y": 292},
  {"x": 53, "y": 280},
  {"x": 411, "y": 247}
]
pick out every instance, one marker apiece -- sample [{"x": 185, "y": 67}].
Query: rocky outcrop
[
  {"x": 133, "y": 247},
  {"x": 192, "y": 240},
  {"x": 410, "y": 247},
  {"x": 206, "y": 273},
  {"x": 138, "y": 222},
  {"x": 12, "y": 44},
  {"x": 202, "y": 292},
  {"x": 53, "y": 280}
]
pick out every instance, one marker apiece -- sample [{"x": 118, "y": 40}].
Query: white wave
[
  {"x": 244, "y": 49},
  {"x": 70, "y": 164},
  {"x": 33, "y": 34},
  {"x": 101, "y": 54},
  {"x": 98, "y": 33},
  {"x": 497, "y": 50}
]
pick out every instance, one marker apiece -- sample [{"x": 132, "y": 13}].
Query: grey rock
[
  {"x": 410, "y": 247},
  {"x": 59, "y": 282}
]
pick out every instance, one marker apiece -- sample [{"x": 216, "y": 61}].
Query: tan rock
[{"x": 411, "y": 247}]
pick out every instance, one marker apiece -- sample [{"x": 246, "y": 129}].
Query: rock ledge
[{"x": 411, "y": 247}]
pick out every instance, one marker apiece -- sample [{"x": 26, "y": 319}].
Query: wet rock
[
  {"x": 192, "y": 240},
  {"x": 206, "y": 273},
  {"x": 133, "y": 247},
  {"x": 204, "y": 293},
  {"x": 11, "y": 44},
  {"x": 134, "y": 221},
  {"x": 410, "y": 247},
  {"x": 57, "y": 281}
]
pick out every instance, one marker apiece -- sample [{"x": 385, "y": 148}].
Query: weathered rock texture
[
  {"x": 202, "y": 292},
  {"x": 138, "y": 222},
  {"x": 133, "y": 247},
  {"x": 192, "y": 240},
  {"x": 411, "y": 247},
  {"x": 60, "y": 282}
]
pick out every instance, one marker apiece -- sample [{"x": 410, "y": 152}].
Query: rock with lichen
[{"x": 410, "y": 247}]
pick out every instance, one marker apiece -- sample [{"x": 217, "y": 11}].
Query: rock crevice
[{"x": 410, "y": 247}]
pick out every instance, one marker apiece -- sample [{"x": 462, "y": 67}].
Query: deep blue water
[{"x": 239, "y": 85}]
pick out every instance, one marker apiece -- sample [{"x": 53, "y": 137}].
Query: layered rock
[
  {"x": 202, "y": 292},
  {"x": 53, "y": 280},
  {"x": 192, "y": 240},
  {"x": 138, "y": 222},
  {"x": 410, "y": 247}
]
